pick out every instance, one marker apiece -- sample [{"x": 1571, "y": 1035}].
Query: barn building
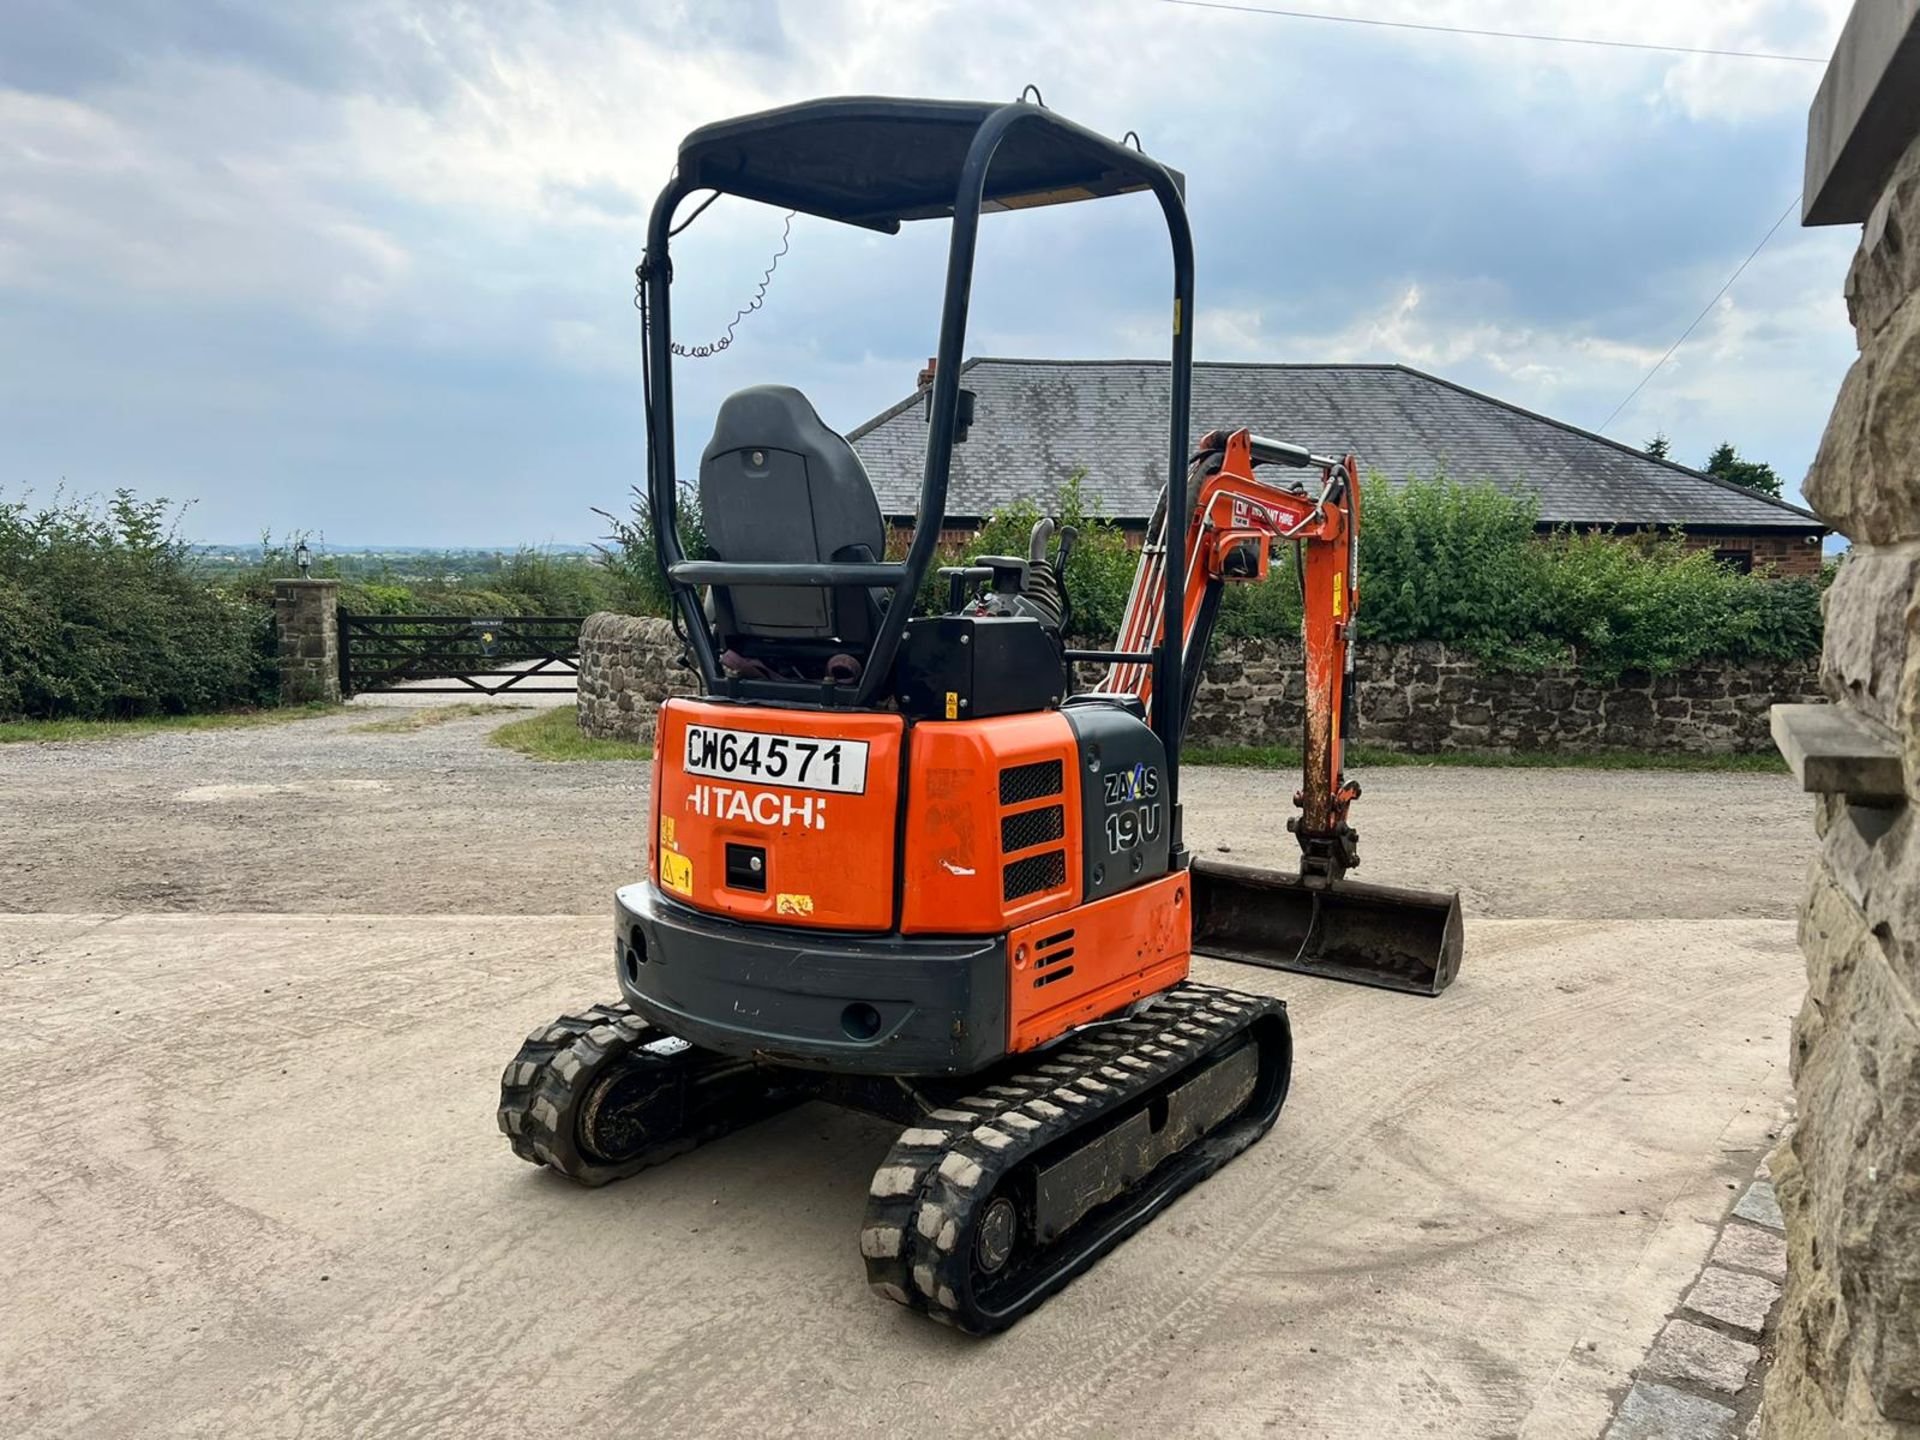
[{"x": 1038, "y": 422}]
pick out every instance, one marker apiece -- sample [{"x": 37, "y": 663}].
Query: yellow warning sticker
[
  {"x": 1339, "y": 595},
  {"x": 666, "y": 831},
  {"x": 676, "y": 872},
  {"x": 793, "y": 904},
  {"x": 953, "y": 704}
]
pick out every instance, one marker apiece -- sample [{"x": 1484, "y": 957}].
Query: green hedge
[
  {"x": 102, "y": 616},
  {"x": 627, "y": 552},
  {"x": 1466, "y": 565},
  {"x": 103, "y": 613},
  {"x": 1099, "y": 572}
]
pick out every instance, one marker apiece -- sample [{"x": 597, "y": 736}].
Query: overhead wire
[
  {"x": 1718, "y": 295},
  {"x": 1484, "y": 32},
  {"x": 1491, "y": 34}
]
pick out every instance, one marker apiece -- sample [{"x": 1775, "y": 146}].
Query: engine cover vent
[
  {"x": 1024, "y": 830},
  {"x": 1033, "y": 874},
  {"x": 1021, "y": 783}
]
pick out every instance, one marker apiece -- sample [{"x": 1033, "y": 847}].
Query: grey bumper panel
[{"x": 858, "y": 1004}]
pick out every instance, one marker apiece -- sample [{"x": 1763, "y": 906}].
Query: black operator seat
[{"x": 776, "y": 485}]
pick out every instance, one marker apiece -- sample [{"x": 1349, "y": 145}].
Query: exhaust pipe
[{"x": 1380, "y": 935}]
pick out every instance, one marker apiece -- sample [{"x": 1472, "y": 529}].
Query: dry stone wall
[
  {"x": 1849, "y": 1175},
  {"x": 628, "y": 665},
  {"x": 1427, "y": 698},
  {"x": 1413, "y": 697}
]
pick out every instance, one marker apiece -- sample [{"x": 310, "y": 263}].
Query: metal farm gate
[{"x": 459, "y": 654}]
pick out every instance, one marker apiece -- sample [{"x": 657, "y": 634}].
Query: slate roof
[{"x": 1037, "y": 421}]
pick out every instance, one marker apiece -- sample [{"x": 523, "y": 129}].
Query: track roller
[{"x": 992, "y": 1203}]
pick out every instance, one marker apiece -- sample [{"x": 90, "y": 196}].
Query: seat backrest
[{"x": 777, "y": 485}]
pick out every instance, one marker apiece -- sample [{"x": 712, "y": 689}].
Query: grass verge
[
  {"x": 427, "y": 718},
  {"x": 1360, "y": 757},
  {"x": 34, "y": 731},
  {"x": 555, "y": 735}
]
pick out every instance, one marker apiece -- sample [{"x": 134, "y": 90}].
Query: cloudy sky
[{"x": 364, "y": 267}]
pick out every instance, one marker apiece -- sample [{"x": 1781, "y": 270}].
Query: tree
[
  {"x": 1659, "y": 445},
  {"x": 1725, "y": 464}
]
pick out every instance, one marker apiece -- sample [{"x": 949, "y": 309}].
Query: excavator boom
[{"x": 1315, "y": 921}]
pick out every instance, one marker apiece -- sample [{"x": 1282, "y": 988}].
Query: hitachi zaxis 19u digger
[{"x": 898, "y": 861}]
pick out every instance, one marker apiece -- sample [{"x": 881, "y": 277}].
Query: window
[{"x": 1738, "y": 560}]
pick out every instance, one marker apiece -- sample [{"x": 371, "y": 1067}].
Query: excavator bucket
[{"x": 1344, "y": 930}]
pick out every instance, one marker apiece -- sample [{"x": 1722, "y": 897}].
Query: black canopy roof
[{"x": 872, "y": 161}]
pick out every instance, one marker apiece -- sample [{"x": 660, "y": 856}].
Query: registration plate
[{"x": 797, "y": 761}]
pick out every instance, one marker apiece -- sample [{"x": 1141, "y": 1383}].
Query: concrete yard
[{"x": 258, "y": 987}]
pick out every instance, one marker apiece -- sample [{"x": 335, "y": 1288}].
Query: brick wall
[{"x": 1789, "y": 555}]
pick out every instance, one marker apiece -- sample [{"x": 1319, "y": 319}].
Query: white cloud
[
  {"x": 92, "y": 202},
  {"x": 466, "y": 187},
  {"x": 1761, "y": 368}
]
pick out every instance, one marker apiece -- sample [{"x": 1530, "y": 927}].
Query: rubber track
[
  {"x": 544, "y": 1086},
  {"x": 917, "y": 1238}
]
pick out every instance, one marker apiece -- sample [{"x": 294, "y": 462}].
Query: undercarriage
[{"x": 1001, "y": 1187}]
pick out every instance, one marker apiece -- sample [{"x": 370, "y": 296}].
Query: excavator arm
[
  {"x": 1317, "y": 921},
  {"x": 1238, "y": 519}
]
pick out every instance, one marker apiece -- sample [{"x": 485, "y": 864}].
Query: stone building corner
[{"x": 1848, "y": 1176}]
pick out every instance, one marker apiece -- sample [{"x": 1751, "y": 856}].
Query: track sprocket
[{"x": 601, "y": 1095}]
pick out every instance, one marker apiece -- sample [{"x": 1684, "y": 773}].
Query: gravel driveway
[{"x": 320, "y": 815}]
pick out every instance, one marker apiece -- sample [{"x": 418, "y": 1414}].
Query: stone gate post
[{"x": 307, "y": 616}]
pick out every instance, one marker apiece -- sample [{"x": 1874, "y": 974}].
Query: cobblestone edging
[
  {"x": 1421, "y": 697},
  {"x": 1702, "y": 1378}
]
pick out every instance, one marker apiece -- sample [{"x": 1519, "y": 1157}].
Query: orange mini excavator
[{"x": 898, "y": 861}]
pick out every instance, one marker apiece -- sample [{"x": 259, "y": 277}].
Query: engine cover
[
  {"x": 775, "y": 815},
  {"x": 1123, "y": 781}
]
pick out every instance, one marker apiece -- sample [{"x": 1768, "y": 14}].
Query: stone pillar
[
  {"x": 307, "y": 616},
  {"x": 1848, "y": 1176}
]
